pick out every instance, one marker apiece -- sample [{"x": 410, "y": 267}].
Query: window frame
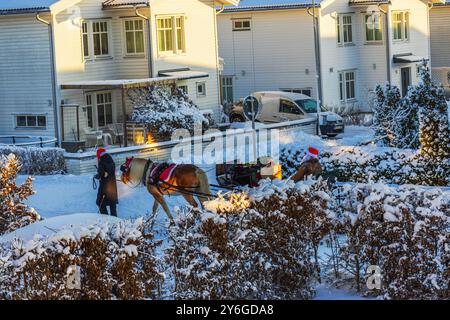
[
  {"x": 374, "y": 33},
  {"x": 108, "y": 35},
  {"x": 134, "y": 32},
  {"x": 86, "y": 45},
  {"x": 242, "y": 21},
  {"x": 343, "y": 85},
  {"x": 104, "y": 104},
  {"x": 175, "y": 50},
  {"x": 405, "y": 27},
  {"x": 341, "y": 29},
  {"x": 30, "y": 115},
  {"x": 200, "y": 94},
  {"x": 225, "y": 86}
]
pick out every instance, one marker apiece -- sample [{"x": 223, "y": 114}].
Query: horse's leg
[
  {"x": 154, "y": 212},
  {"x": 190, "y": 199},
  {"x": 160, "y": 199}
]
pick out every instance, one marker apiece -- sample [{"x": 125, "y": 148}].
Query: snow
[{"x": 53, "y": 226}]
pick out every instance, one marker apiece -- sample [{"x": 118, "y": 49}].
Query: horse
[{"x": 185, "y": 180}]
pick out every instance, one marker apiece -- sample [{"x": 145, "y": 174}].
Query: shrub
[
  {"x": 164, "y": 110},
  {"x": 117, "y": 261},
  {"x": 259, "y": 244},
  {"x": 365, "y": 164},
  {"x": 14, "y": 213},
  {"x": 405, "y": 232},
  {"x": 37, "y": 160}
]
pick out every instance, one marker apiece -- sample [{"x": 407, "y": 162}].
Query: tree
[
  {"x": 386, "y": 104},
  {"x": 14, "y": 214},
  {"x": 165, "y": 109},
  {"x": 429, "y": 99},
  {"x": 406, "y": 125}
]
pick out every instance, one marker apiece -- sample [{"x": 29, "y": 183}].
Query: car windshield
[{"x": 309, "y": 105}]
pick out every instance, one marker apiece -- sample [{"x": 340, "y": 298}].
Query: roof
[
  {"x": 121, "y": 3},
  {"x": 25, "y": 6},
  {"x": 261, "y": 5},
  {"x": 135, "y": 83}
]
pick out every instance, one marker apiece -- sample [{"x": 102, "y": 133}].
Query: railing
[{"x": 15, "y": 141}]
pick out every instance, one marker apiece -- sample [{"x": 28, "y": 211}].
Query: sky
[{"x": 18, "y": 4}]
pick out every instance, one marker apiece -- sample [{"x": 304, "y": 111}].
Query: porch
[{"x": 98, "y": 113}]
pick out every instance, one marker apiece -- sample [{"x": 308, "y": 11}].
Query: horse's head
[{"x": 126, "y": 170}]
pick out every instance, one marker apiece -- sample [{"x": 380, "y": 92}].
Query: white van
[{"x": 279, "y": 106}]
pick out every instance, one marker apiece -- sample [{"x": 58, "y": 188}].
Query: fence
[{"x": 82, "y": 163}]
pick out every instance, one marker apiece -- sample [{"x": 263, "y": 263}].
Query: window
[
  {"x": 400, "y": 24},
  {"x": 134, "y": 36},
  {"x": 171, "y": 34},
  {"x": 100, "y": 36},
  {"x": 184, "y": 89},
  {"x": 89, "y": 114},
  {"x": 373, "y": 28},
  {"x": 85, "y": 35},
  {"x": 104, "y": 109},
  {"x": 347, "y": 85},
  {"x": 201, "y": 89},
  {"x": 344, "y": 29},
  {"x": 287, "y": 106},
  {"x": 31, "y": 121},
  {"x": 227, "y": 89},
  {"x": 306, "y": 91},
  {"x": 241, "y": 25}
]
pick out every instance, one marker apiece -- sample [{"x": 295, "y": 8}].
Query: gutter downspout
[
  {"x": 216, "y": 45},
  {"x": 53, "y": 75},
  {"x": 150, "y": 41},
  {"x": 318, "y": 63},
  {"x": 388, "y": 44},
  {"x": 430, "y": 6}
]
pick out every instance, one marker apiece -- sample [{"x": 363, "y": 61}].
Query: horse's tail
[{"x": 203, "y": 188}]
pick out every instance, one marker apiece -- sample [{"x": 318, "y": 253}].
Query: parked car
[{"x": 279, "y": 106}]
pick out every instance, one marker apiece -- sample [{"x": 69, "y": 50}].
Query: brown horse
[{"x": 185, "y": 179}]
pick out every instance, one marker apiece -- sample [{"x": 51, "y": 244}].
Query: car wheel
[{"x": 237, "y": 118}]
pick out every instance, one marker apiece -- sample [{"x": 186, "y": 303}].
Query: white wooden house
[
  {"x": 440, "y": 44},
  {"x": 66, "y": 65},
  {"x": 270, "y": 45}
]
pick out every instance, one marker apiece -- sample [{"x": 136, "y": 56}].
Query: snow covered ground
[{"x": 60, "y": 198}]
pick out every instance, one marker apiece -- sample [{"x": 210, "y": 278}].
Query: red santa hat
[
  {"x": 312, "y": 152},
  {"x": 100, "y": 153}
]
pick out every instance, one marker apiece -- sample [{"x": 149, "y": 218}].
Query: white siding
[
  {"x": 440, "y": 39},
  {"x": 277, "y": 53},
  {"x": 25, "y": 73}
]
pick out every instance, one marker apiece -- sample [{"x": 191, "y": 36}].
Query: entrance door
[{"x": 406, "y": 80}]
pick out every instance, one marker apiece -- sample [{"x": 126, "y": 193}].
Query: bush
[
  {"x": 259, "y": 244},
  {"x": 164, "y": 110},
  {"x": 14, "y": 213},
  {"x": 37, "y": 160},
  {"x": 116, "y": 261},
  {"x": 365, "y": 164},
  {"x": 403, "y": 231}
]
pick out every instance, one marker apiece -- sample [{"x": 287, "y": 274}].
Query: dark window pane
[
  {"x": 21, "y": 121},
  {"x": 109, "y": 117},
  {"x": 101, "y": 116},
  {"x": 31, "y": 121},
  {"x": 105, "y": 43},
  {"x": 42, "y": 121}
]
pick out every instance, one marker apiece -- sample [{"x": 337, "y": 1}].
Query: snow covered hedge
[
  {"x": 14, "y": 213},
  {"x": 116, "y": 261},
  {"x": 365, "y": 164},
  {"x": 259, "y": 244},
  {"x": 164, "y": 110},
  {"x": 35, "y": 160},
  {"x": 405, "y": 232}
]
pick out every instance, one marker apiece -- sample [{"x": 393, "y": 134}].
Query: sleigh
[{"x": 235, "y": 174}]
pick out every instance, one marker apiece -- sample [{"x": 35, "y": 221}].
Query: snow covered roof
[
  {"x": 25, "y": 6},
  {"x": 121, "y": 3},
  {"x": 260, "y": 5},
  {"x": 133, "y": 83}
]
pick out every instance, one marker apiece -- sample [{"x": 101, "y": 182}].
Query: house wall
[
  {"x": 25, "y": 73},
  {"x": 274, "y": 55},
  {"x": 200, "y": 55}
]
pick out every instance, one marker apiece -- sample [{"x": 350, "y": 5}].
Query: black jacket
[{"x": 106, "y": 173}]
